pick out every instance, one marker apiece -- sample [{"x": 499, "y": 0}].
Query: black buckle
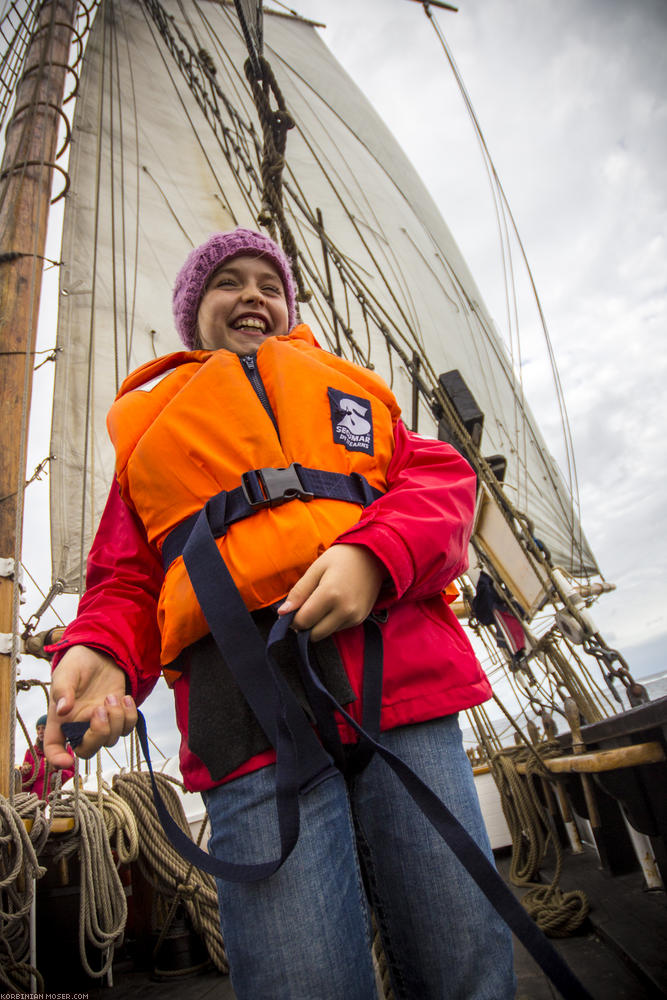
[{"x": 276, "y": 487}]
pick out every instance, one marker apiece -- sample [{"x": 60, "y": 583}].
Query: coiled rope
[
  {"x": 557, "y": 913},
  {"x": 164, "y": 869},
  {"x": 19, "y": 867},
  {"x": 102, "y": 902},
  {"x": 119, "y": 822},
  {"x": 381, "y": 966}
]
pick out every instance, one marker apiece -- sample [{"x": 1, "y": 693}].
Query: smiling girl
[{"x": 259, "y": 476}]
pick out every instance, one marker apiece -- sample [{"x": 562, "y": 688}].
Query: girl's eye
[{"x": 272, "y": 288}]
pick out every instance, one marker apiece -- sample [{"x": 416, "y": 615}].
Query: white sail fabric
[{"x": 151, "y": 177}]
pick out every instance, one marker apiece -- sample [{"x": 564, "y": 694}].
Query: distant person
[
  {"x": 34, "y": 766},
  {"x": 326, "y": 507}
]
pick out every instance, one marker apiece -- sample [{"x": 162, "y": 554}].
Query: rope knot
[
  {"x": 187, "y": 890},
  {"x": 275, "y": 125}
]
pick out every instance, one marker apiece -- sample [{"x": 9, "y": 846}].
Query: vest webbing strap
[
  {"x": 324, "y": 706},
  {"x": 261, "y": 488},
  {"x": 302, "y": 761},
  {"x": 447, "y": 825}
]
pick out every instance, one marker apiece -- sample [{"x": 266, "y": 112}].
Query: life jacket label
[{"x": 351, "y": 419}]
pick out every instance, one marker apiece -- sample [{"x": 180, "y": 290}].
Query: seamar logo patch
[{"x": 352, "y": 421}]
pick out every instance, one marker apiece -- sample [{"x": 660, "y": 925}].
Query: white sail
[{"x": 151, "y": 178}]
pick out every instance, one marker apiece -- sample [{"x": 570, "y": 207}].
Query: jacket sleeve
[
  {"x": 118, "y": 611},
  {"x": 420, "y": 528}
]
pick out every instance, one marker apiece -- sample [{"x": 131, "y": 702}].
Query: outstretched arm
[{"x": 108, "y": 659}]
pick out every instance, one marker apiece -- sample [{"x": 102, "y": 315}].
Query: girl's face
[{"x": 244, "y": 303}]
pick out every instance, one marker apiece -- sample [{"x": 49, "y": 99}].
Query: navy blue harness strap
[
  {"x": 301, "y": 760},
  {"x": 288, "y": 766},
  {"x": 453, "y": 833},
  {"x": 243, "y": 648},
  {"x": 267, "y": 488}
]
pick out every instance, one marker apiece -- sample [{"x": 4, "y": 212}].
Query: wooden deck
[{"x": 620, "y": 953}]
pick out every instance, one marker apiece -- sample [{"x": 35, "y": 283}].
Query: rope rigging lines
[
  {"x": 344, "y": 295},
  {"x": 16, "y": 28},
  {"x": 202, "y": 63},
  {"x": 507, "y": 226},
  {"x": 530, "y": 810}
]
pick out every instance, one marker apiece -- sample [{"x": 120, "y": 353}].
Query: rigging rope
[
  {"x": 275, "y": 125},
  {"x": 499, "y": 194},
  {"x": 16, "y": 30}
]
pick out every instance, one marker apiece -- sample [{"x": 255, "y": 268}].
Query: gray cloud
[{"x": 572, "y": 99}]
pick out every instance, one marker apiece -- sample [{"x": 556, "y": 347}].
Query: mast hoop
[
  {"x": 49, "y": 28},
  {"x": 66, "y": 66},
  {"x": 84, "y": 10},
  {"x": 55, "y": 107},
  {"x": 21, "y": 164}
]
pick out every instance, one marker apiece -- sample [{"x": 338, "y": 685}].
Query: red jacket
[
  {"x": 33, "y": 772},
  {"x": 419, "y": 530}
]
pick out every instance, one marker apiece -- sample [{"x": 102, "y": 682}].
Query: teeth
[{"x": 250, "y": 322}]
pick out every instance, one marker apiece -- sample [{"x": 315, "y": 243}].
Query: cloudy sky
[{"x": 572, "y": 101}]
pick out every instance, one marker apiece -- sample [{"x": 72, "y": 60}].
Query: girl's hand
[
  {"x": 87, "y": 686},
  {"x": 338, "y": 591}
]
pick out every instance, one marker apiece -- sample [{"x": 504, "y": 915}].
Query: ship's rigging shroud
[{"x": 152, "y": 175}]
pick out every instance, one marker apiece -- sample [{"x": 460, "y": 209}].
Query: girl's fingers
[{"x": 115, "y": 718}]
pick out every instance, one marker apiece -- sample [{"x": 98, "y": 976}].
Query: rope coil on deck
[
  {"x": 557, "y": 913},
  {"x": 120, "y": 824}
]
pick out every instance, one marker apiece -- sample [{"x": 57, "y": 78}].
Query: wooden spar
[
  {"x": 598, "y": 761},
  {"x": 25, "y": 190}
]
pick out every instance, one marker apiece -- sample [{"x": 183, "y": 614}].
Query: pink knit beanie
[{"x": 201, "y": 263}]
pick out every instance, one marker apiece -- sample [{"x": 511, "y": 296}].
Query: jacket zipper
[{"x": 250, "y": 367}]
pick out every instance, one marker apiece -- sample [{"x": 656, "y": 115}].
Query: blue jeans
[{"x": 304, "y": 933}]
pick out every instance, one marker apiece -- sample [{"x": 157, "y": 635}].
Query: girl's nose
[{"x": 252, "y": 293}]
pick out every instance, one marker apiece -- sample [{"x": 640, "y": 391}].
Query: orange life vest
[{"x": 189, "y": 425}]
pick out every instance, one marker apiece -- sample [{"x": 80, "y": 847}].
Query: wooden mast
[{"x": 25, "y": 190}]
